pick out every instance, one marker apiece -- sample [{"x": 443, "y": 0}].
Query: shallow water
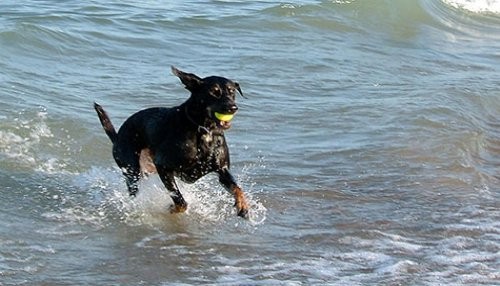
[{"x": 369, "y": 145}]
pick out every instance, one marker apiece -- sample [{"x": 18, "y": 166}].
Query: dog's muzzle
[{"x": 224, "y": 118}]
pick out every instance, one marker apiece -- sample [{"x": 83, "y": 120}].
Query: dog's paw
[
  {"x": 174, "y": 209},
  {"x": 243, "y": 213},
  {"x": 240, "y": 202}
]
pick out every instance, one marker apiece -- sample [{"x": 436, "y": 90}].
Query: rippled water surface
[{"x": 369, "y": 145}]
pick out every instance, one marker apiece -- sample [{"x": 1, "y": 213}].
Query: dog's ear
[
  {"x": 238, "y": 88},
  {"x": 191, "y": 81}
]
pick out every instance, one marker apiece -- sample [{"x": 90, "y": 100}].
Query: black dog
[{"x": 186, "y": 141}]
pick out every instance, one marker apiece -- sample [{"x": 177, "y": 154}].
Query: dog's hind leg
[
  {"x": 128, "y": 161},
  {"x": 132, "y": 180},
  {"x": 146, "y": 162},
  {"x": 132, "y": 175}
]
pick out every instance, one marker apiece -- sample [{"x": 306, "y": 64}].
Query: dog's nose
[{"x": 233, "y": 108}]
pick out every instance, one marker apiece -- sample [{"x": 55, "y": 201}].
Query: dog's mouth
[{"x": 224, "y": 119}]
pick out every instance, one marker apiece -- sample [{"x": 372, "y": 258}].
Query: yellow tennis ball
[{"x": 224, "y": 117}]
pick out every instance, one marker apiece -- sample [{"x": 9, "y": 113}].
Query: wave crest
[{"x": 476, "y": 6}]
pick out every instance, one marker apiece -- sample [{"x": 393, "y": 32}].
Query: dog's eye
[{"x": 216, "y": 91}]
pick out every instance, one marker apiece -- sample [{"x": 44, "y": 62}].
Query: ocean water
[{"x": 369, "y": 145}]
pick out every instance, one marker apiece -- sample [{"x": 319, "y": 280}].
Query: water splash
[
  {"x": 27, "y": 141},
  {"x": 208, "y": 202}
]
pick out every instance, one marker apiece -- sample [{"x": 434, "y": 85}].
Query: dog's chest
[
  {"x": 210, "y": 147},
  {"x": 208, "y": 155},
  {"x": 206, "y": 139}
]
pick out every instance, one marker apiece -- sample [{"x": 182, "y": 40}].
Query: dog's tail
[{"x": 106, "y": 123}]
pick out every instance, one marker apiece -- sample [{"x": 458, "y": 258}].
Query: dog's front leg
[
  {"x": 228, "y": 181},
  {"x": 168, "y": 180}
]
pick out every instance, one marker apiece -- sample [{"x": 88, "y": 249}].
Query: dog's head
[{"x": 215, "y": 94}]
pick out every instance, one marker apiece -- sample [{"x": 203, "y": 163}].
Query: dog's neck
[{"x": 201, "y": 128}]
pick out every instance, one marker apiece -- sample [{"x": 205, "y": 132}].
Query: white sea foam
[
  {"x": 476, "y": 6},
  {"x": 13, "y": 146},
  {"x": 24, "y": 144}
]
